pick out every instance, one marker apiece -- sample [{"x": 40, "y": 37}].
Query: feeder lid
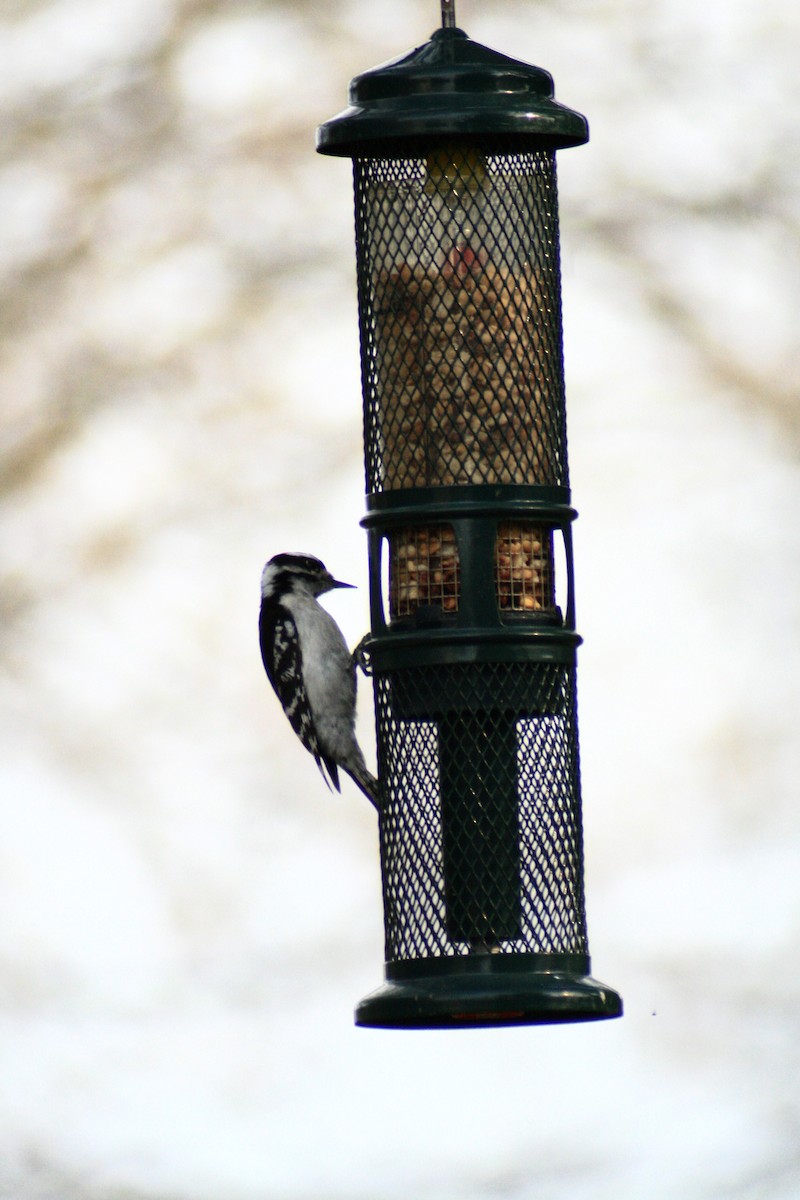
[{"x": 448, "y": 87}]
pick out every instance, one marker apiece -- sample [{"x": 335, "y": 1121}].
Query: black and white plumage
[{"x": 310, "y": 667}]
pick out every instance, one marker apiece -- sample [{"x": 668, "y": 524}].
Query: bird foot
[{"x": 360, "y": 656}]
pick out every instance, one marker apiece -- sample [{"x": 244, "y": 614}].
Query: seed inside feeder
[
  {"x": 463, "y": 380},
  {"x": 423, "y": 570},
  {"x": 524, "y": 574}
]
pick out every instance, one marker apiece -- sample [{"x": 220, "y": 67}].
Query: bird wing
[{"x": 283, "y": 662}]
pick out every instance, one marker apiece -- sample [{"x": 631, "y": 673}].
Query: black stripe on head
[
  {"x": 298, "y": 562},
  {"x": 283, "y": 572}
]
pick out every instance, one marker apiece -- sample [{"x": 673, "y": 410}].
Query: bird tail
[{"x": 366, "y": 781}]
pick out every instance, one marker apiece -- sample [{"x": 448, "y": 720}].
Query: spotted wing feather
[{"x": 283, "y": 662}]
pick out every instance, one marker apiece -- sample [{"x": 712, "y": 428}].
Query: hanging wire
[{"x": 448, "y": 14}]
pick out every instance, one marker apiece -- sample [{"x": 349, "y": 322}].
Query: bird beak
[{"x": 337, "y": 583}]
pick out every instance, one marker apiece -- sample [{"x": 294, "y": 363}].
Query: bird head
[{"x": 297, "y": 574}]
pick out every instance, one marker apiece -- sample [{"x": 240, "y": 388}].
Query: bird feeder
[{"x": 473, "y": 641}]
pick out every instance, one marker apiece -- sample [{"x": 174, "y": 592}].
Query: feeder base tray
[{"x": 482, "y": 990}]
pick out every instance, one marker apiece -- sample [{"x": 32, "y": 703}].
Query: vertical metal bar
[
  {"x": 448, "y": 14},
  {"x": 480, "y": 826}
]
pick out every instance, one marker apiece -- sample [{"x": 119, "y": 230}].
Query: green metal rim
[
  {"x": 509, "y": 502},
  {"x": 450, "y": 966},
  {"x": 488, "y": 998},
  {"x": 399, "y": 649}
]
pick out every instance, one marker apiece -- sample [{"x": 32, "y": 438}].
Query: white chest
[{"x": 327, "y": 668}]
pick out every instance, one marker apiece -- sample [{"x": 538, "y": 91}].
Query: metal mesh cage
[
  {"x": 460, "y": 318},
  {"x": 481, "y": 829}
]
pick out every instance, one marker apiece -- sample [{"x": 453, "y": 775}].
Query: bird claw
[{"x": 360, "y": 656}]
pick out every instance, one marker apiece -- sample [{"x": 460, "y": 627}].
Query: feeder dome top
[{"x": 450, "y": 87}]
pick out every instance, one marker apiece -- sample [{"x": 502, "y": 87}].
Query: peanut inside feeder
[
  {"x": 462, "y": 381},
  {"x": 524, "y": 568},
  {"x": 423, "y": 570}
]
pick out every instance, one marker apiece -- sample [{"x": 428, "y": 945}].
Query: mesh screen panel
[
  {"x": 460, "y": 319},
  {"x": 481, "y": 829},
  {"x": 524, "y": 574},
  {"x": 423, "y": 569}
]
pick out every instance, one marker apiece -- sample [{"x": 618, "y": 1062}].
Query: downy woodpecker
[{"x": 310, "y": 667}]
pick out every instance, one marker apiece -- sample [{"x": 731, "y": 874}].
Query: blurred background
[{"x": 188, "y": 917}]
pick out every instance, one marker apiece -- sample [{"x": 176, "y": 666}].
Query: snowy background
[{"x": 187, "y": 917}]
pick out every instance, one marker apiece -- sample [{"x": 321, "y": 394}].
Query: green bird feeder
[{"x": 473, "y": 643}]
